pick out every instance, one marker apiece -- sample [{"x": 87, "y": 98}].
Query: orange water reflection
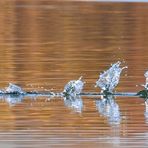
[{"x": 44, "y": 44}]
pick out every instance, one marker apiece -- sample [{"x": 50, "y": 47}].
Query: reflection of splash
[
  {"x": 12, "y": 99},
  {"x": 74, "y": 102},
  {"x": 74, "y": 87},
  {"x": 146, "y": 111},
  {"x": 110, "y": 78},
  {"x": 109, "y": 108}
]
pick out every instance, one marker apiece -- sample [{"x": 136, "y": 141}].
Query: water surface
[{"x": 45, "y": 44}]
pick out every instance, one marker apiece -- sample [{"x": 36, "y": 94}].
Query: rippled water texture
[{"x": 45, "y": 44}]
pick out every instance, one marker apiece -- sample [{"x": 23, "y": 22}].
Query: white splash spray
[
  {"x": 74, "y": 87},
  {"x": 12, "y": 88},
  {"x": 110, "y": 78},
  {"x": 146, "y": 81}
]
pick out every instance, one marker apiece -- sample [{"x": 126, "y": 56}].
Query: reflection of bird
[
  {"x": 74, "y": 87},
  {"x": 110, "y": 78},
  {"x": 74, "y": 102},
  {"x": 107, "y": 107}
]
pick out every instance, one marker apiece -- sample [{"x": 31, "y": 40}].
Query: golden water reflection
[{"x": 44, "y": 44}]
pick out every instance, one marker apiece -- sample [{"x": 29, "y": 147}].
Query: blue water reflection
[
  {"x": 146, "y": 111},
  {"x": 74, "y": 102},
  {"x": 108, "y": 107},
  {"x": 12, "y": 99}
]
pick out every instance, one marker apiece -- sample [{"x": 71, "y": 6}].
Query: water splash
[
  {"x": 12, "y": 88},
  {"x": 74, "y": 87},
  {"x": 110, "y": 78},
  {"x": 146, "y": 81},
  {"x": 144, "y": 93},
  {"x": 107, "y": 107},
  {"x": 1, "y": 91},
  {"x": 74, "y": 102}
]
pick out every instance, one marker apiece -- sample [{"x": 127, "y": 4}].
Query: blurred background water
[{"x": 44, "y": 44}]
